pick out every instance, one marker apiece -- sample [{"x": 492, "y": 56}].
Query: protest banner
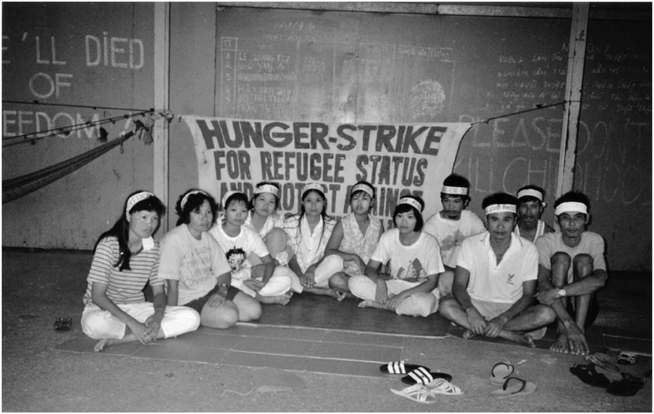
[{"x": 398, "y": 159}]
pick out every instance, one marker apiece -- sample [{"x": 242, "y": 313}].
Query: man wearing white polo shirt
[
  {"x": 571, "y": 265},
  {"x": 452, "y": 225},
  {"x": 530, "y": 210},
  {"x": 495, "y": 280}
]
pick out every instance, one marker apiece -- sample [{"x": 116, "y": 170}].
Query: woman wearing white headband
[
  {"x": 126, "y": 258},
  {"x": 195, "y": 267},
  {"x": 351, "y": 244},
  {"x": 415, "y": 265},
  {"x": 307, "y": 234},
  {"x": 265, "y": 282},
  {"x": 263, "y": 219}
]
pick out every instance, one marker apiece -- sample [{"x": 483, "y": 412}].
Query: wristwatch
[{"x": 561, "y": 293}]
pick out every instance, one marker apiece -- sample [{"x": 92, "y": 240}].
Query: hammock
[{"x": 14, "y": 188}]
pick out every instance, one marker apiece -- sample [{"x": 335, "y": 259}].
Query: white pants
[
  {"x": 418, "y": 304},
  {"x": 278, "y": 284},
  {"x": 327, "y": 268},
  {"x": 99, "y": 324}
]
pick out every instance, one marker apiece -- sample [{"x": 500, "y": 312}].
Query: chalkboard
[{"x": 357, "y": 67}]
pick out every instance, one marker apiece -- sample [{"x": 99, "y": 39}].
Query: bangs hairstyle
[
  {"x": 237, "y": 197},
  {"x": 367, "y": 184},
  {"x": 254, "y": 197},
  {"x": 151, "y": 203},
  {"x": 120, "y": 229},
  {"x": 193, "y": 203},
  {"x": 405, "y": 208},
  {"x": 574, "y": 197},
  {"x": 499, "y": 198}
]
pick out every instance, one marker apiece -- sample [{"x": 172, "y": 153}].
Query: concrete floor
[{"x": 40, "y": 375}]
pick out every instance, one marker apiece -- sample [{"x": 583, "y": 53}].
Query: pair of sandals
[
  {"x": 426, "y": 386},
  {"x": 502, "y": 374},
  {"x": 628, "y": 386}
]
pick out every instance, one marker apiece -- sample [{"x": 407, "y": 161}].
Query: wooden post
[
  {"x": 161, "y": 101},
  {"x": 573, "y": 85}
]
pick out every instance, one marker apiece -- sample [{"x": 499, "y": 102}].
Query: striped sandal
[
  {"x": 423, "y": 376},
  {"x": 399, "y": 367}
]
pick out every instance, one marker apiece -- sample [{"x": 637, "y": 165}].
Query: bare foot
[
  {"x": 468, "y": 334},
  {"x": 560, "y": 345},
  {"x": 322, "y": 291},
  {"x": 99, "y": 346},
  {"x": 369, "y": 304},
  {"x": 518, "y": 337},
  {"x": 275, "y": 300},
  {"x": 343, "y": 295}
]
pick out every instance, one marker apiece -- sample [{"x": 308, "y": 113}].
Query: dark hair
[
  {"x": 456, "y": 180},
  {"x": 120, "y": 229},
  {"x": 405, "y": 208},
  {"x": 323, "y": 213},
  {"x": 374, "y": 192},
  {"x": 499, "y": 198},
  {"x": 238, "y": 196},
  {"x": 193, "y": 203},
  {"x": 254, "y": 197},
  {"x": 575, "y": 197},
  {"x": 528, "y": 197}
]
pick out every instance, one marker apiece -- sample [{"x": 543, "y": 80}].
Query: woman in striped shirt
[{"x": 127, "y": 258}]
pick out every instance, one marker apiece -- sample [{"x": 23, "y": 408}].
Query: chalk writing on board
[
  {"x": 264, "y": 81},
  {"x": 60, "y": 69}
]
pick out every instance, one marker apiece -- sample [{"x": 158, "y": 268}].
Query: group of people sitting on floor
[{"x": 510, "y": 278}]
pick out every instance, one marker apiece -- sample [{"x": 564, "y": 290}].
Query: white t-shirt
[
  {"x": 195, "y": 263},
  {"x": 501, "y": 283},
  {"x": 450, "y": 233},
  {"x": 237, "y": 249},
  {"x": 409, "y": 263},
  {"x": 591, "y": 244}
]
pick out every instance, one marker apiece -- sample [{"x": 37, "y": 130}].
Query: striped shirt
[{"x": 122, "y": 286}]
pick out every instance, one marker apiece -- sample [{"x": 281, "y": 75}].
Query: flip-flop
[
  {"x": 627, "y": 358},
  {"x": 517, "y": 388},
  {"x": 500, "y": 372},
  {"x": 399, "y": 367},
  {"x": 423, "y": 376},
  {"x": 588, "y": 375},
  {"x": 444, "y": 387},
  {"x": 604, "y": 361},
  {"x": 63, "y": 324},
  {"x": 627, "y": 387},
  {"x": 417, "y": 393}
]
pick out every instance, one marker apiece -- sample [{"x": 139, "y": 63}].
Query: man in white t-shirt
[
  {"x": 571, "y": 264},
  {"x": 495, "y": 280},
  {"x": 452, "y": 225}
]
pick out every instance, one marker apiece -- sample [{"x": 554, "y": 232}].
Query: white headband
[
  {"x": 412, "y": 202},
  {"x": 131, "y": 202},
  {"x": 571, "y": 206},
  {"x": 455, "y": 190},
  {"x": 530, "y": 192},
  {"x": 500, "y": 208},
  {"x": 362, "y": 187},
  {"x": 187, "y": 195},
  {"x": 267, "y": 188},
  {"x": 312, "y": 186},
  {"x": 227, "y": 195}
]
